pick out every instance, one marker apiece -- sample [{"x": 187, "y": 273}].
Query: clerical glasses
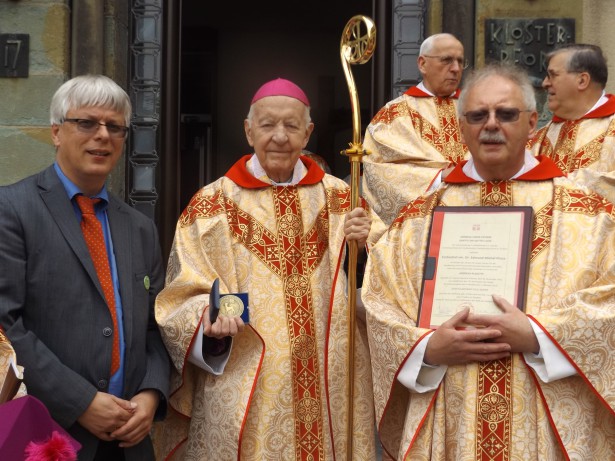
[
  {"x": 92, "y": 126},
  {"x": 448, "y": 60},
  {"x": 502, "y": 114}
]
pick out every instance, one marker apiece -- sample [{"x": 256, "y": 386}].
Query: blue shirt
[{"x": 116, "y": 383}]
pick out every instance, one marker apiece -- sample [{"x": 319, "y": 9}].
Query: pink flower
[{"x": 56, "y": 448}]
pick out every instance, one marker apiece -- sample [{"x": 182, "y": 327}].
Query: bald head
[
  {"x": 430, "y": 42},
  {"x": 441, "y": 62}
]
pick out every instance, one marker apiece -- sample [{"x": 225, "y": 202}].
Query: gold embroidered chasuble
[
  {"x": 501, "y": 410},
  {"x": 7, "y": 354},
  {"x": 411, "y": 139},
  {"x": 584, "y": 149},
  {"x": 282, "y": 394}
]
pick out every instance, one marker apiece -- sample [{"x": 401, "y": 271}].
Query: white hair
[
  {"x": 89, "y": 91},
  {"x": 429, "y": 43},
  {"x": 306, "y": 116},
  {"x": 511, "y": 72}
]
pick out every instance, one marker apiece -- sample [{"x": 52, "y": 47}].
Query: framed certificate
[{"x": 473, "y": 253}]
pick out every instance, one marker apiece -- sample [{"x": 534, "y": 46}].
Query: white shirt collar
[
  {"x": 256, "y": 169},
  {"x": 601, "y": 101},
  {"x": 529, "y": 162},
  {"x": 421, "y": 86}
]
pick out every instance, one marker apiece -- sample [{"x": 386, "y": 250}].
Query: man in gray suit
[{"x": 52, "y": 305}]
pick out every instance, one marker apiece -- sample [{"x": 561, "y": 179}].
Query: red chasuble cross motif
[
  {"x": 494, "y": 403},
  {"x": 565, "y": 155},
  {"x": 292, "y": 254},
  {"x": 445, "y": 138}
]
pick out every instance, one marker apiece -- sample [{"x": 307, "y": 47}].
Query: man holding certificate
[{"x": 531, "y": 376}]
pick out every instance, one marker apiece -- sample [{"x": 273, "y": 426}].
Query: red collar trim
[
  {"x": 418, "y": 93},
  {"x": 546, "y": 169},
  {"x": 240, "y": 175},
  {"x": 605, "y": 110}
]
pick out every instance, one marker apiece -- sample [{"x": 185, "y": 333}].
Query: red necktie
[{"x": 93, "y": 233}]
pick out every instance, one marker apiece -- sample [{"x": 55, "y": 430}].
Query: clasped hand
[
  {"x": 491, "y": 337},
  {"x": 111, "y": 418}
]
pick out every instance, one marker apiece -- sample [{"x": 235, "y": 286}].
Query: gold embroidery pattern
[
  {"x": 387, "y": 114},
  {"x": 296, "y": 270},
  {"x": 447, "y": 139},
  {"x": 542, "y": 141},
  {"x": 293, "y": 256},
  {"x": 254, "y": 236},
  {"x": 566, "y": 157},
  {"x": 496, "y": 193},
  {"x": 493, "y": 434},
  {"x": 338, "y": 200},
  {"x": 201, "y": 206},
  {"x": 494, "y": 410},
  {"x": 578, "y": 201},
  {"x": 417, "y": 208},
  {"x": 500, "y": 194},
  {"x": 543, "y": 220},
  {"x": 563, "y": 153}
]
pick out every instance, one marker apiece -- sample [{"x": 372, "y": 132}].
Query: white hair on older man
[
  {"x": 429, "y": 43},
  {"x": 508, "y": 71}
]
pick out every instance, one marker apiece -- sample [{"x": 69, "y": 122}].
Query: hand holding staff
[{"x": 356, "y": 47}]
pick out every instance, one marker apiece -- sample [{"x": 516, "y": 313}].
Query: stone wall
[
  {"x": 25, "y": 136},
  {"x": 595, "y": 21},
  {"x": 25, "y": 140},
  {"x": 524, "y": 9},
  {"x": 599, "y": 29}
]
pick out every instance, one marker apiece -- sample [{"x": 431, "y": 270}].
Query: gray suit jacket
[{"x": 53, "y": 310}]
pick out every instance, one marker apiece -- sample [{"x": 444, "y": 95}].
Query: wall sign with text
[
  {"x": 14, "y": 55},
  {"x": 526, "y": 42}
]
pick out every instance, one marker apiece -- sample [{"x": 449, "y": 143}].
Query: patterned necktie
[{"x": 93, "y": 233}]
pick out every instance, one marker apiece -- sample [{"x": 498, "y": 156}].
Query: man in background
[
  {"x": 580, "y": 138},
  {"x": 416, "y": 136}
]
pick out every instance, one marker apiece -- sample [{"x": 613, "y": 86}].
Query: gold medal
[{"x": 231, "y": 306}]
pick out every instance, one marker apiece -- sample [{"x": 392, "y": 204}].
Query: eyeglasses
[
  {"x": 92, "y": 126},
  {"x": 502, "y": 114},
  {"x": 448, "y": 60},
  {"x": 553, "y": 75}
]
